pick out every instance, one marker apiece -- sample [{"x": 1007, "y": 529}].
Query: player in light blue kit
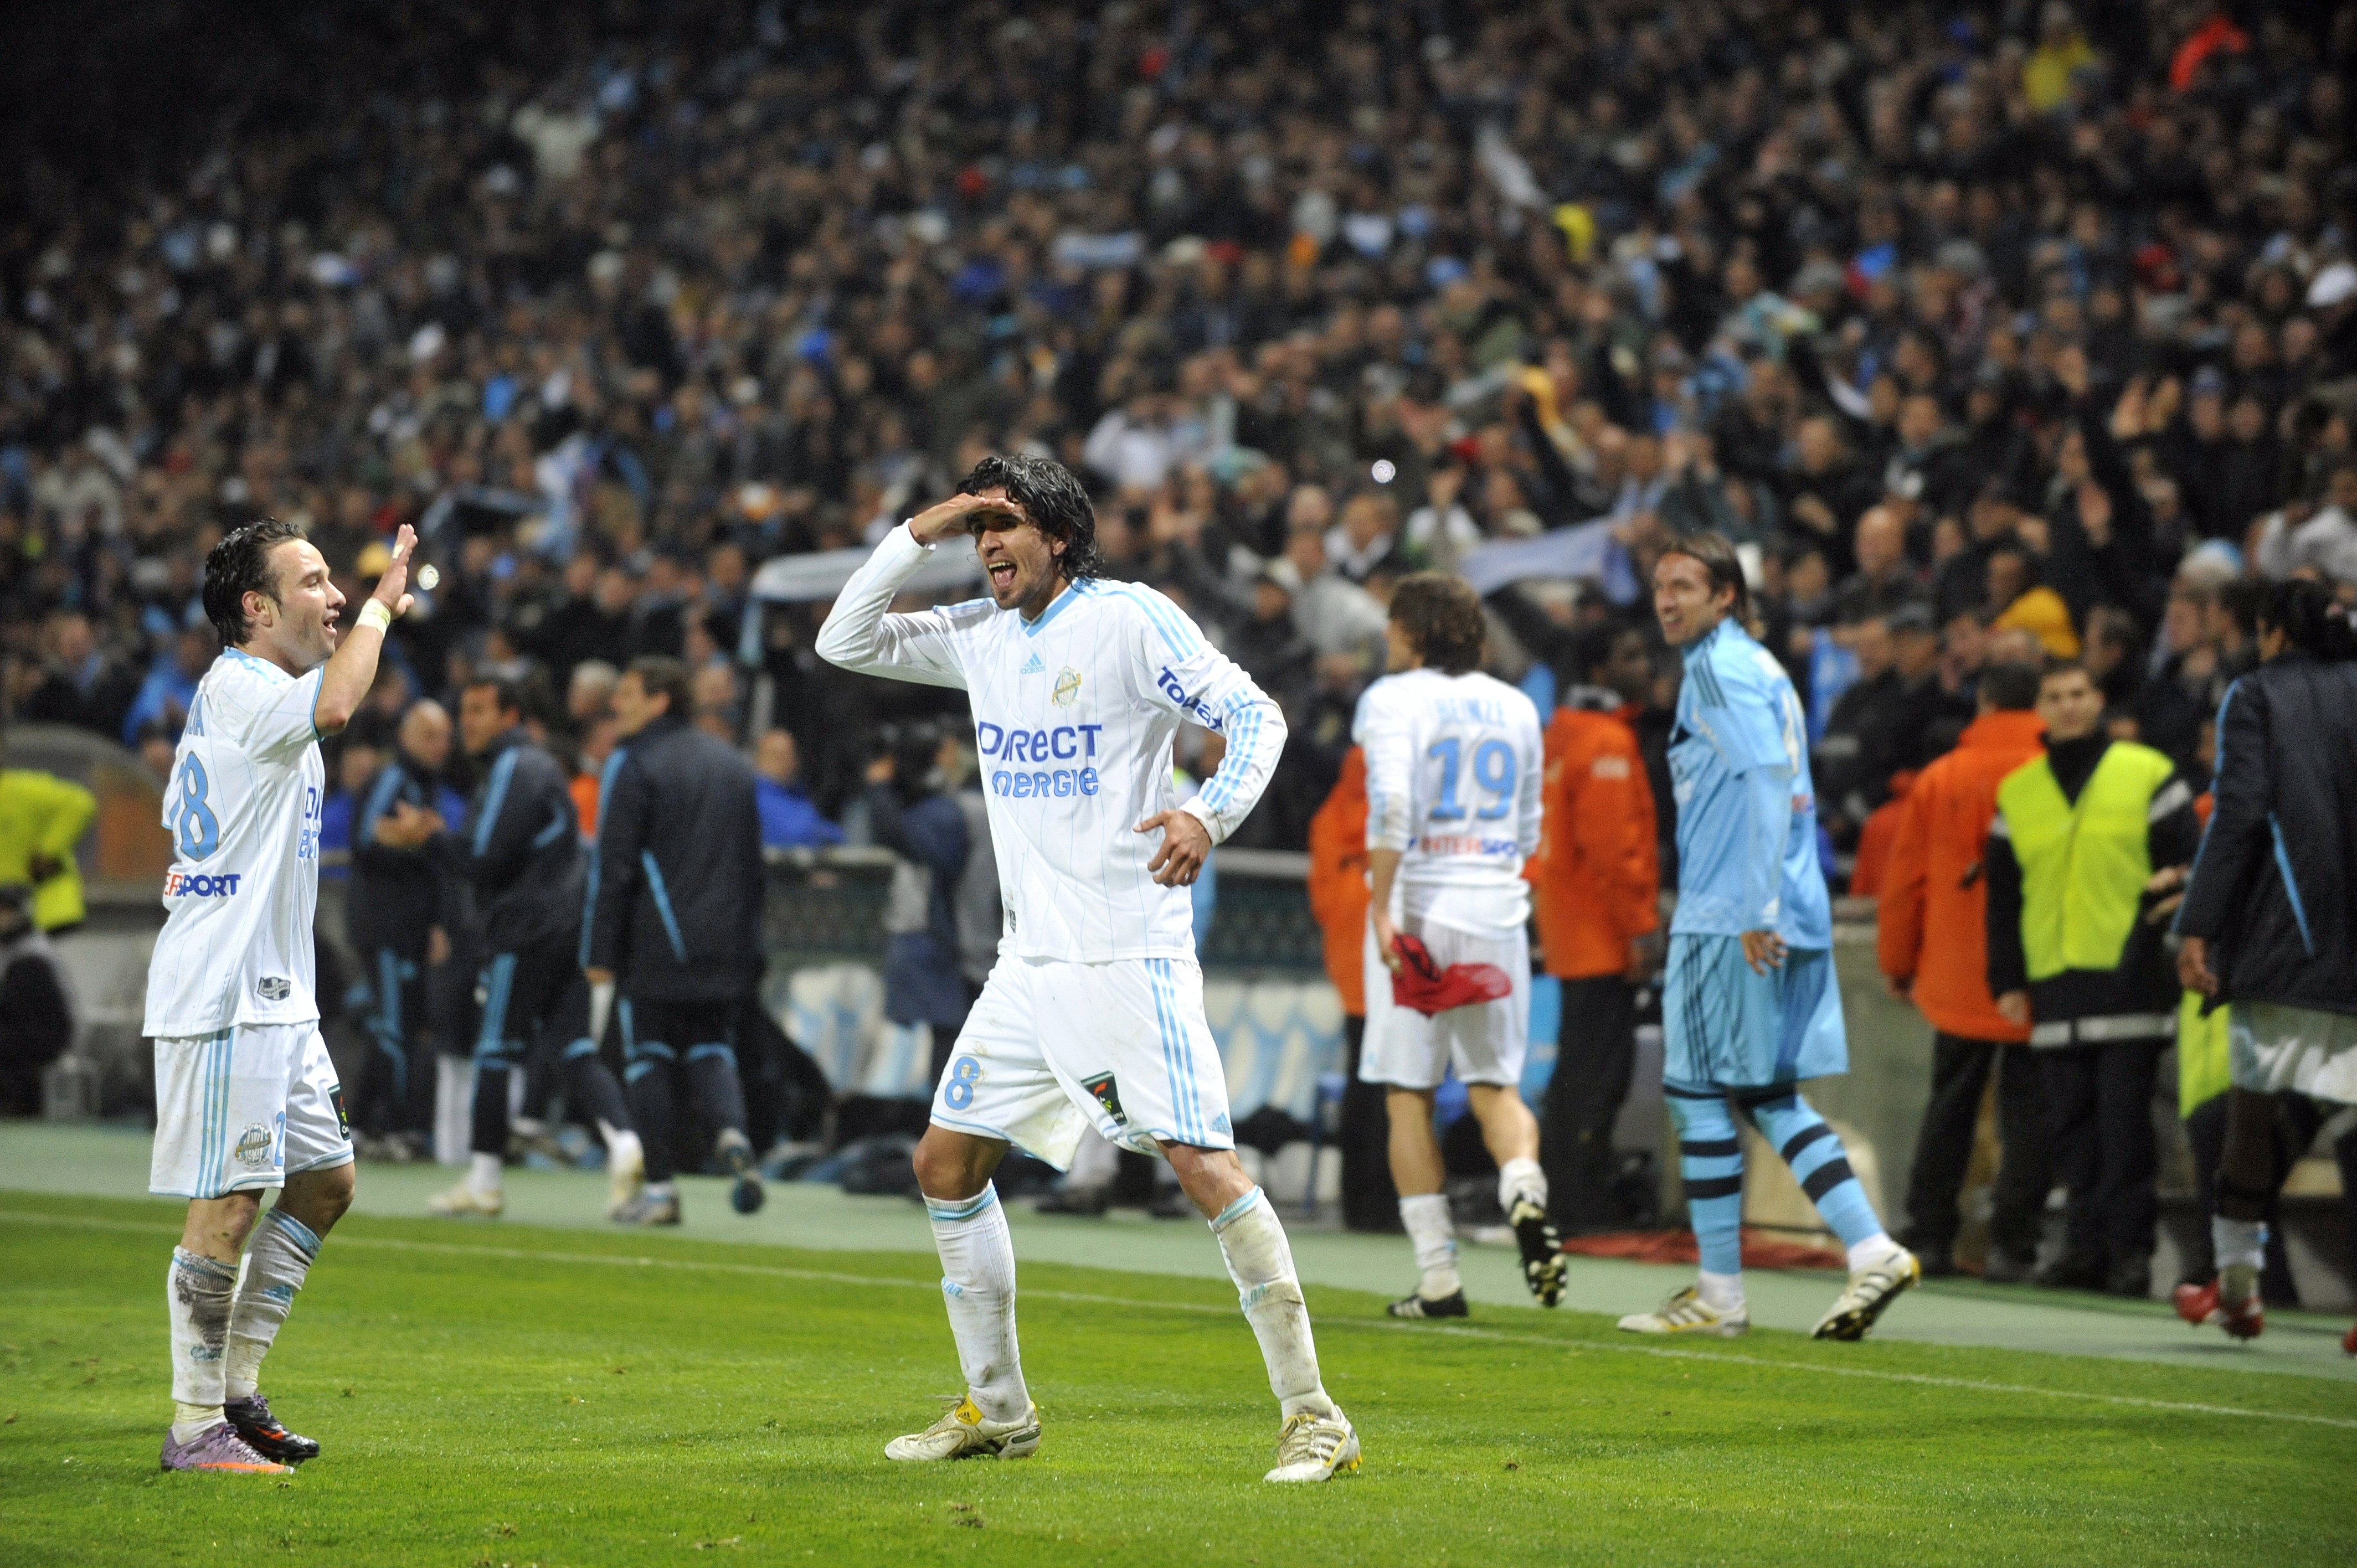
[{"x": 1749, "y": 1007}]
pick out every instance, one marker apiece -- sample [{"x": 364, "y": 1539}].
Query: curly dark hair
[
  {"x": 239, "y": 565},
  {"x": 2307, "y": 614},
  {"x": 1442, "y": 617},
  {"x": 1051, "y": 497}
]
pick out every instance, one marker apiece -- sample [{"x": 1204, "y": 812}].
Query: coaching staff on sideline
[{"x": 674, "y": 921}]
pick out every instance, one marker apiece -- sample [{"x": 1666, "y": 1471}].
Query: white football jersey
[
  {"x": 243, "y": 808},
  {"x": 1073, "y": 717},
  {"x": 1454, "y": 766}
]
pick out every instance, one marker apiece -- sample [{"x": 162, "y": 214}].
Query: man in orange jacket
[
  {"x": 1338, "y": 900},
  {"x": 1596, "y": 882},
  {"x": 1933, "y": 943}
]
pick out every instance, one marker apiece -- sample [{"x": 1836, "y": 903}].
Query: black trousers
[
  {"x": 1960, "y": 1073},
  {"x": 535, "y": 1003},
  {"x": 666, "y": 1041},
  {"x": 1369, "y": 1201},
  {"x": 2099, "y": 1111},
  {"x": 396, "y": 1088},
  {"x": 1596, "y": 1055}
]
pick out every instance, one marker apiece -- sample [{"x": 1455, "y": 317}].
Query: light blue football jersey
[{"x": 1747, "y": 809}]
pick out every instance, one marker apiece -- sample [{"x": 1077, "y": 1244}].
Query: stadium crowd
[{"x": 1990, "y": 335}]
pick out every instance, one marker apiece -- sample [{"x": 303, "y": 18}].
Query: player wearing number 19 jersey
[
  {"x": 1093, "y": 1014},
  {"x": 246, "y": 1097},
  {"x": 1454, "y": 769}
]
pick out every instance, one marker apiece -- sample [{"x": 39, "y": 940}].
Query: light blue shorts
[{"x": 1725, "y": 1026}]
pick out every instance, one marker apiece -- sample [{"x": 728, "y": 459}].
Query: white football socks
[
  {"x": 978, "y": 1286},
  {"x": 1434, "y": 1235},
  {"x": 483, "y": 1173},
  {"x": 1873, "y": 1249},
  {"x": 280, "y": 1255},
  {"x": 622, "y": 1146},
  {"x": 1721, "y": 1293},
  {"x": 1260, "y": 1261},
  {"x": 2240, "y": 1247},
  {"x": 1519, "y": 1179},
  {"x": 197, "y": 1294}
]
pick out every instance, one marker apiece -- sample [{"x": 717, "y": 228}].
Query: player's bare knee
[
  {"x": 217, "y": 1227},
  {"x": 319, "y": 1198},
  {"x": 952, "y": 1166},
  {"x": 1212, "y": 1179}
]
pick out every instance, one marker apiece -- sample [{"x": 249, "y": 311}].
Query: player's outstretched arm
[
  {"x": 858, "y": 634},
  {"x": 351, "y": 670}
]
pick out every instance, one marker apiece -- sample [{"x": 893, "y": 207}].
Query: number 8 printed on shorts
[
  {"x": 958, "y": 1093},
  {"x": 195, "y": 829}
]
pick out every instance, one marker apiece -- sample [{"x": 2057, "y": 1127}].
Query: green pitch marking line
[{"x": 836, "y": 1276}]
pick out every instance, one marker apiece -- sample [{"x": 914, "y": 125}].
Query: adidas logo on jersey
[{"x": 1032, "y": 666}]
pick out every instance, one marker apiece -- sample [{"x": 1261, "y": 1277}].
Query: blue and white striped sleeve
[{"x": 1183, "y": 673}]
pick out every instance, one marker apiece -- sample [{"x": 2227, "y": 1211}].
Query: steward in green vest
[{"x": 2073, "y": 952}]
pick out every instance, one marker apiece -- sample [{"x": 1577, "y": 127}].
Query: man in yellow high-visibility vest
[{"x": 2079, "y": 833}]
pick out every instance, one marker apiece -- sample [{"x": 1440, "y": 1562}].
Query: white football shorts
[
  {"x": 245, "y": 1109},
  {"x": 1052, "y": 1047},
  {"x": 1406, "y": 1048}
]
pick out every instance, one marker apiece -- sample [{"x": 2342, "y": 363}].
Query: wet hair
[
  {"x": 661, "y": 675},
  {"x": 2305, "y": 612},
  {"x": 239, "y": 565},
  {"x": 1052, "y": 498},
  {"x": 1722, "y": 565},
  {"x": 2010, "y": 686},
  {"x": 1442, "y": 617}
]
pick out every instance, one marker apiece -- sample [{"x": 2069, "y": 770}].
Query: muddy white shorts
[
  {"x": 2272, "y": 1047},
  {"x": 1052, "y": 1047},
  {"x": 245, "y": 1109},
  {"x": 1486, "y": 1042}
]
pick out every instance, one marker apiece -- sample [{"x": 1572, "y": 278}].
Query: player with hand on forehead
[
  {"x": 246, "y": 1097},
  {"x": 1093, "y": 1014}
]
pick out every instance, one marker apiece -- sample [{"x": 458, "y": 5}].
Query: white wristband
[{"x": 373, "y": 613}]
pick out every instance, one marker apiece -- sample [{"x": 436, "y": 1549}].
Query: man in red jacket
[
  {"x": 1596, "y": 883},
  {"x": 1933, "y": 949}
]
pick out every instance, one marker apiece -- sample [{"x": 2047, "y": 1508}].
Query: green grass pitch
[{"x": 512, "y": 1396}]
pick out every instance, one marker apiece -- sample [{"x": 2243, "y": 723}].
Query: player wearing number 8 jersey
[
  {"x": 1454, "y": 769},
  {"x": 246, "y": 1097},
  {"x": 1094, "y": 1012}
]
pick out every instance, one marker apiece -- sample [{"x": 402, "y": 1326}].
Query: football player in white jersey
[
  {"x": 1093, "y": 1014},
  {"x": 245, "y": 1096},
  {"x": 1454, "y": 767}
]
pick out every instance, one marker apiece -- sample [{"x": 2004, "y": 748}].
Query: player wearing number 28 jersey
[
  {"x": 246, "y": 1097},
  {"x": 1094, "y": 1012}
]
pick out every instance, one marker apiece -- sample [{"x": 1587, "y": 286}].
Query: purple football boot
[
  {"x": 217, "y": 1448},
  {"x": 263, "y": 1434}
]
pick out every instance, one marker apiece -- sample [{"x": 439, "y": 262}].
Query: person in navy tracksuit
[
  {"x": 522, "y": 852},
  {"x": 397, "y": 904},
  {"x": 673, "y": 917}
]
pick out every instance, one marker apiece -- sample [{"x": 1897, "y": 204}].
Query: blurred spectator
[
  {"x": 42, "y": 819},
  {"x": 1934, "y": 947},
  {"x": 36, "y": 1013},
  {"x": 2079, "y": 831},
  {"x": 788, "y": 821},
  {"x": 926, "y": 832},
  {"x": 81, "y": 685},
  {"x": 171, "y": 685},
  {"x": 1596, "y": 882}
]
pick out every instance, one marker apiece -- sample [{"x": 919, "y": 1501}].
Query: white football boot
[
  {"x": 1870, "y": 1289},
  {"x": 1686, "y": 1313},
  {"x": 463, "y": 1200},
  {"x": 624, "y": 1176},
  {"x": 1315, "y": 1449},
  {"x": 964, "y": 1432}
]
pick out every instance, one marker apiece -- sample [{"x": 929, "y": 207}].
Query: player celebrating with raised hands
[
  {"x": 1094, "y": 1010},
  {"x": 246, "y": 1097},
  {"x": 1749, "y": 1007}
]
